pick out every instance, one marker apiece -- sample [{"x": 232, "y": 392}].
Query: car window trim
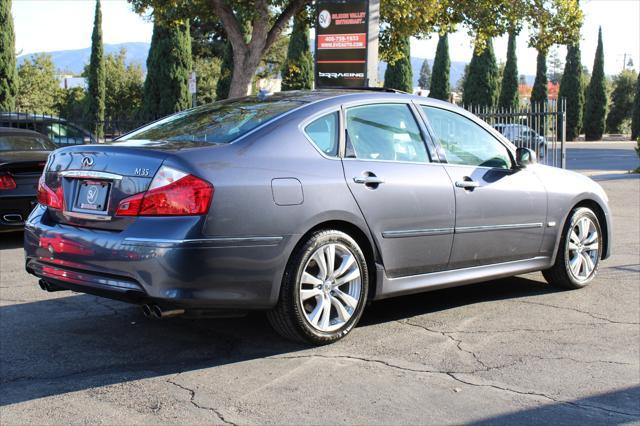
[
  {"x": 441, "y": 150},
  {"x": 408, "y": 103},
  {"x": 307, "y": 121}
]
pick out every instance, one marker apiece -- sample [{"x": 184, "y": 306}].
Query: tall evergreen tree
[
  {"x": 440, "y": 88},
  {"x": 481, "y": 85},
  {"x": 509, "y": 87},
  {"x": 96, "y": 89},
  {"x": 425, "y": 75},
  {"x": 596, "y": 102},
  {"x": 571, "y": 89},
  {"x": 226, "y": 71},
  {"x": 8, "y": 75},
  {"x": 166, "y": 88},
  {"x": 539, "y": 92},
  {"x": 399, "y": 75},
  {"x": 635, "y": 118},
  {"x": 297, "y": 71}
]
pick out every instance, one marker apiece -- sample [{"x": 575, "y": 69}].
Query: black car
[
  {"x": 23, "y": 155},
  {"x": 58, "y": 130}
]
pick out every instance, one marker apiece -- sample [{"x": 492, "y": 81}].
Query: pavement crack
[
  {"x": 543, "y": 395},
  {"x": 192, "y": 394},
  {"x": 454, "y": 376},
  {"x": 458, "y": 342},
  {"x": 591, "y": 314}
]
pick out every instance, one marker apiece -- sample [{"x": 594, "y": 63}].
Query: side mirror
[{"x": 525, "y": 157}]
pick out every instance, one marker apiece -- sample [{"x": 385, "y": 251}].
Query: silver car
[{"x": 308, "y": 205}]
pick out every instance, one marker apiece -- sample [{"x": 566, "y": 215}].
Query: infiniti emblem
[{"x": 87, "y": 161}]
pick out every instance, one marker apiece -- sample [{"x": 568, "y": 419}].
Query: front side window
[
  {"x": 466, "y": 143},
  {"x": 324, "y": 133},
  {"x": 385, "y": 132}
]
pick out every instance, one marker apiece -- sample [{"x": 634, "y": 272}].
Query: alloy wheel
[
  {"x": 583, "y": 249},
  {"x": 330, "y": 287}
]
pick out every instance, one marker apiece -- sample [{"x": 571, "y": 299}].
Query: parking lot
[{"x": 507, "y": 351}]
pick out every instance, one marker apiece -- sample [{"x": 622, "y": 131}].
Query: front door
[
  {"x": 407, "y": 201},
  {"x": 500, "y": 210}
]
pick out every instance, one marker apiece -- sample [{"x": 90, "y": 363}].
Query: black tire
[
  {"x": 560, "y": 274},
  {"x": 288, "y": 317}
]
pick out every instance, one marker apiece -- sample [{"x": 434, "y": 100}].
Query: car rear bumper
[{"x": 216, "y": 273}]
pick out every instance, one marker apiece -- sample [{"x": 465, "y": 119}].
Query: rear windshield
[
  {"x": 24, "y": 143},
  {"x": 217, "y": 123}
]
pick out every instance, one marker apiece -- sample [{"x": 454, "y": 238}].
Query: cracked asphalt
[{"x": 502, "y": 352}]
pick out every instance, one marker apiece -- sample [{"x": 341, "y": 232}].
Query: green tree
[
  {"x": 8, "y": 75},
  {"x": 571, "y": 89},
  {"x": 166, "y": 88},
  {"x": 425, "y": 75},
  {"x": 399, "y": 74},
  {"x": 72, "y": 104},
  {"x": 619, "y": 117},
  {"x": 440, "y": 88},
  {"x": 39, "y": 89},
  {"x": 207, "y": 72},
  {"x": 297, "y": 72},
  {"x": 124, "y": 84},
  {"x": 96, "y": 81},
  {"x": 553, "y": 21},
  {"x": 635, "y": 118},
  {"x": 226, "y": 71},
  {"x": 509, "y": 87},
  {"x": 554, "y": 66},
  {"x": 481, "y": 84},
  {"x": 596, "y": 101},
  {"x": 539, "y": 92}
]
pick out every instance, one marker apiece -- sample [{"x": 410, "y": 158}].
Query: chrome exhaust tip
[
  {"x": 146, "y": 311},
  {"x": 158, "y": 312}
]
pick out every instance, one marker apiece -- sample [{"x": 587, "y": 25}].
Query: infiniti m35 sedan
[{"x": 308, "y": 205}]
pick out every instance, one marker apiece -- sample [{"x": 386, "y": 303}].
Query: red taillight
[
  {"x": 7, "y": 182},
  {"x": 48, "y": 197},
  {"x": 171, "y": 193}
]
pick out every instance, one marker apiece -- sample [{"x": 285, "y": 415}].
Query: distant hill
[{"x": 73, "y": 61}]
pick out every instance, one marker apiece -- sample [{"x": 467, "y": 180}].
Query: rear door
[
  {"x": 406, "y": 199},
  {"x": 500, "y": 210}
]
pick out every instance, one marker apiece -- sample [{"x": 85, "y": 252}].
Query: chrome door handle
[
  {"x": 368, "y": 180},
  {"x": 467, "y": 184}
]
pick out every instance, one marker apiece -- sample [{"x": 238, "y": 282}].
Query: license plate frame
[{"x": 92, "y": 195}]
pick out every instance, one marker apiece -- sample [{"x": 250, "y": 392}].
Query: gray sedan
[{"x": 308, "y": 205}]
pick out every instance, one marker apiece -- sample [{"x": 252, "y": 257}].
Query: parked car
[
  {"x": 23, "y": 154},
  {"x": 308, "y": 205},
  {"x": 523, "y": 137},
  {"x": 59, "y": 130}
]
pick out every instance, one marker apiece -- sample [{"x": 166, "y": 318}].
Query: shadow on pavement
[
  {"x": 72, "y": 343},
  {"x": 626, "y": 401},
  {"x": 11, "y": 240}
]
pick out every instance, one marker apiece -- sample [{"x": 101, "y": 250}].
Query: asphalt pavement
[{"x": 510, "y": 351}]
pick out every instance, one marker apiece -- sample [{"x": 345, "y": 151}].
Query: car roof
[
  {"x": 23, "y": 116},
  {"x": 12, "y": 131}
]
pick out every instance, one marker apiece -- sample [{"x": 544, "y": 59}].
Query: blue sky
[{"x": 49, "y": 25}]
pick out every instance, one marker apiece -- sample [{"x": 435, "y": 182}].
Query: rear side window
[
  {"x": 324, "y": 133},
  {"x": 385, "y": 132},
  {"x": 217, "y": 123}
]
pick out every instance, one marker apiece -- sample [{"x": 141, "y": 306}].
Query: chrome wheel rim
[
  {"x": 583, "y": 249},
  {"x": 330, "y": 287}
]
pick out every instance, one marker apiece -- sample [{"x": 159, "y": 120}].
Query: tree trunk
[{"x": 244, "y": 68}]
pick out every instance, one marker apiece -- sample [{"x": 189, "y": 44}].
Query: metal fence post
[{"x": 563, "y": 146}]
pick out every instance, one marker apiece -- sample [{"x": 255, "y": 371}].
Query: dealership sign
[{"x": 344, "y": 52}]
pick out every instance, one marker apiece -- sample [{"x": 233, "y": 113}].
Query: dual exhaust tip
[{"x": 156, "y": 312}]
